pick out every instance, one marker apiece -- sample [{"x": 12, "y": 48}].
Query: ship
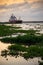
[{"x": 13, "y": 19}]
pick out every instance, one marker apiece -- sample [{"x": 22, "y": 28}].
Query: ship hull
[{"x": 17, "y": 21}]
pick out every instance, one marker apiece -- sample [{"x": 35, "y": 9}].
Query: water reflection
[
  {"x": 18, "y": 61},
  {"x": 28, "y": 26},
  {"x": 3, "y": 46},
  {"x": 12, "y": 60}
]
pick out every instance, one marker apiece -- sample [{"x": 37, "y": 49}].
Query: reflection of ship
[{"x": 13, "y": 19}]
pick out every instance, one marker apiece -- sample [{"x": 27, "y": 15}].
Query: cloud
[
  {"x": 27, "y": 3},
  {"x": 27, "y": 9}
]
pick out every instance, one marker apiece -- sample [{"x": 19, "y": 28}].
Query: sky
[{"x": 27, "y": 10}]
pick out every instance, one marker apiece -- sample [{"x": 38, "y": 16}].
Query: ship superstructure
[{"x": 13, "y": 19}]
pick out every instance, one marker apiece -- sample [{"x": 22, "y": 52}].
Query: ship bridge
[{"x": 12, "y": 18}]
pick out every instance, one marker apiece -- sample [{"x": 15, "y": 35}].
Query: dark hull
[{"x": 17, "y": 21}]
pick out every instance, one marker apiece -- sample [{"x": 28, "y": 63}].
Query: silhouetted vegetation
[
  {"x": 26, "y": 52},
  {"x": 29, "y": 39},
  {"x": 34, "y": 51},
  {"x": 9, "y": 30},
  {"x": 32, "y": 40},
  {"x": 41, "y": 63}
]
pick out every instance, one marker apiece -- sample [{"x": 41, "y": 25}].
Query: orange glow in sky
[
  {"x": 27, "y": 9},
  {"x": 15, "y": 1}
]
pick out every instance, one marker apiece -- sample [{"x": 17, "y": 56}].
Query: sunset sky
[{"x": 28, "y": 10}]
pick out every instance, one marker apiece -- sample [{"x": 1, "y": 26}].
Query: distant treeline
[
  {"x": 10, "y": 22},
  {"x": 22, "y": 22},
  {"x": 32, "y": 21}
]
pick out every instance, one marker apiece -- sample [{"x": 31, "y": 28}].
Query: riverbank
[
  {"x": 28, "y": 46},
  {"x": 9, "y": 30}
]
